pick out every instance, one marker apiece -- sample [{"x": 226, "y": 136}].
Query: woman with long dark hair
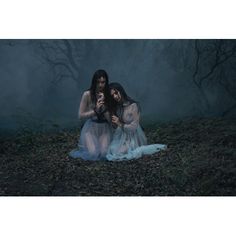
[
  {"x": 129, "y": 140},
  {"x": 96, "y": 132}
]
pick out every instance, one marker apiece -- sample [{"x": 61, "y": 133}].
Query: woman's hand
[
  {"x": 115, "y": 120},
  {"x": 99, "y": 104},
  {"x": 101, "y": 96}
]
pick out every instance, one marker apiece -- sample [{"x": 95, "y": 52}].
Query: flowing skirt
[
  {"x": 131, "y": 145},
  {"x": 94, "y": 140}
]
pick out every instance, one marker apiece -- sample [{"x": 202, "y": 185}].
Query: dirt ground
[{"x": 200, "y": 161}]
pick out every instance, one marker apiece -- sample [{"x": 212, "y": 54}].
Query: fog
[{"x": 41, "y": 81}]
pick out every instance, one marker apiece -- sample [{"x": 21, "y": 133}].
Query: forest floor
[{"x": 200, "y": 161}]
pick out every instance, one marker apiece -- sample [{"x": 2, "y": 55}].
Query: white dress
[
  {"x": 130, "y": 142},
  {"x": 96, "y": 133}
]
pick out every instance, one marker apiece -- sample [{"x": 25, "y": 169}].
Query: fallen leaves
[{"x": 200, "y": 160}]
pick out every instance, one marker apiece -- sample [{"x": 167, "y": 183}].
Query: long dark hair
[
  {"x": 97, "y": 75},
  {"x": 125, "y": 97}
]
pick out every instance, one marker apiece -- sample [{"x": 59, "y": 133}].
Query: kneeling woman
[
  {"x": 129, "y": 141},
  {"x": 96, "y": 133}
]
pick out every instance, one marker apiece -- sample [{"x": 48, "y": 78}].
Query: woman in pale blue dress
[
  {"x": 129, "y": 141},
  {"x": 96, "y": 133}
]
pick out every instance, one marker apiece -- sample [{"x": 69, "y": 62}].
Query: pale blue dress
[
  {"x": 130, "y": 142},
  {"x": 96, "y": 133}
]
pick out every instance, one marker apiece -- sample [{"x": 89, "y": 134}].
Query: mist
[{"x": 41, "y": 81}]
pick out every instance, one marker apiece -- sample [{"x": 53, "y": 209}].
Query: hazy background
[{"x": 41, "y": 81}]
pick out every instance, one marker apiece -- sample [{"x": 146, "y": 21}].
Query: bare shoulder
[{"x": 86, "y": 94}]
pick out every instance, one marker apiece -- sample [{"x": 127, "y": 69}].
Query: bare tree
[
  {"x": 63, "y": 57},
  {"x": 228, "y": 82},
  {"x": 212, "y": 57},
  {"x": 211, "y": 64}
]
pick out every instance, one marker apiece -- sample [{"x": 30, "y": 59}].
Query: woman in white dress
[
  {"x": 129, "y": 141},
  {"x": 96, "y": 133}
]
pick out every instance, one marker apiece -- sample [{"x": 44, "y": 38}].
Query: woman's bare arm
[{"x": 85, "y": 111}]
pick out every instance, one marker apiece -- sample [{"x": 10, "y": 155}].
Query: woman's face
[
  {"x": 116, "y": 95},
  {"x": 101, "y": 82}
]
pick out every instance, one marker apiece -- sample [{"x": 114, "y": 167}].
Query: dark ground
[{"x": 200, "y": 161}]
